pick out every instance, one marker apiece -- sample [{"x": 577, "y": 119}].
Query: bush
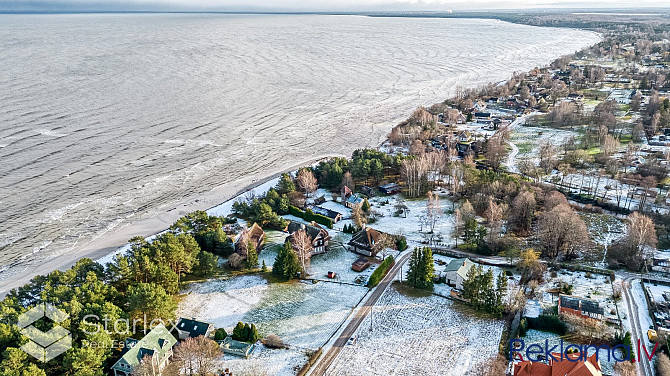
[
  {"x": 274, "y": 342},
  {"x": 236, "y": 261},
  {"x": 309, "y": 216},
  {"x": 548, "y": 323},
  {"x": 380, "y": 272},
  {"x": 401, "y": 243},
  {"x": 220, "y": 334}
]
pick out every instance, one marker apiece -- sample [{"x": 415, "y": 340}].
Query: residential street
[{"x": 329, "y": 356}]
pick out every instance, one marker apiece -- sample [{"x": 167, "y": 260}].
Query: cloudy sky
[{"x": 317, "y": 5}]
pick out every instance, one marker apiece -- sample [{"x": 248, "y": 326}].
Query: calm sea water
[{"x": 109, "y": 119}]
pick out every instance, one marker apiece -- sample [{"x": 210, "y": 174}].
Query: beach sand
[{"x": 111, "y": 241}]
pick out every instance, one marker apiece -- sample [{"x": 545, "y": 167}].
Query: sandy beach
[{"x": 112, "y": 241}]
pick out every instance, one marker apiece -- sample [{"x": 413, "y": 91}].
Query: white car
[{"x": 352, "y": 340}]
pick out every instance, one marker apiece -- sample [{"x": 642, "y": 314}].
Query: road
[
  {"x": 327, "y": 359},
  {"x": 637, "y": 332}
]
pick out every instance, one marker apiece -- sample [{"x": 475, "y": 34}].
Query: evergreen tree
[
  {"x": 246, "y": 332},
  {"x": 428, "y": 269},
  {"x": 253, "y": 334},
  {"x": 285, "y": 185},
  {"x": 252, "y": 256},
  {"x": 501, "y": 293},
  {"x": 238, "y": 332},
  {"x": 421, "y": 269},
  {"x": 220, "y": 334},
  {"x": 264, "y": 268},
  {"x": 286, "y": 263},
  {"x": 366, "y": 206}
]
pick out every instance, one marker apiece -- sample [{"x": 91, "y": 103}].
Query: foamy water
[{"x": 109, "y": 119}]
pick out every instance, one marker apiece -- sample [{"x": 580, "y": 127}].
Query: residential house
[
  {"x": 456, "y": 272},
  {"x": 353, "y": 201},
  {"x": 482, "y": 115},
  {"x": 191, "y": 328},
  {"x": 319, "y": 236},
  {"x": 332, "y": 214},
  {"x": 462, "y": 119},
  {"x": 156, "y": 344},
  {"x": 365, "y": 242},
  {"x": 390, "y": 188},
  {"x": 255, "y": 234},
  {"x": 368, "y": 191},
  {"x": 479, "y": 106},
  {"x": 582, "y": 307},
  {"x": 464, "y": 137},
  {"x": 345, "y": 193},
  {"x": 568, "y": 364}
]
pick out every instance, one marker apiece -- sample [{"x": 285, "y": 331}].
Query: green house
[{"x": 157, "y": 344}]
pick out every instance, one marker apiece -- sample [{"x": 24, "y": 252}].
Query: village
[
  {"x": 453, "y": 194},
  {"x": 534, "y": 209}
]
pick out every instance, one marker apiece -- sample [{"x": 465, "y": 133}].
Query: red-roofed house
[{"x": 564, "y": 367}]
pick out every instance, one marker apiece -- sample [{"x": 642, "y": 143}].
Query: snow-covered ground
[
  {"x": 407, "y": 335},
  {"x": 303, "y": 314},
  {"x": 603, "y": 230}
]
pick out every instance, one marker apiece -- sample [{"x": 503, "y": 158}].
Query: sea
[{"x": 109, "y": 119}]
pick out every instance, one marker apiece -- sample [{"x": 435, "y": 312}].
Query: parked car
[{"x": 352, "y": 340}]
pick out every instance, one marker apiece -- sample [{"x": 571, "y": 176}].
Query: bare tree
[
  {"x": 493, "y": 215},
  {"x": 609, "y": 145},
  {"x": 457, "y": 218},
  {"x": 347, "y": 181},
  {"x": 147, "y": 367},
  {"x": 433, "y": 210},
  {"x": 306, "y": 181},
  {"x": 522, "y": 211},
  {"x": 547, "y": 156},
  {"x": 358, "y": 216},
  {"x": 303, "y": 247},
  {"x": 562, "y": 232},
  {"x": 662, "y": 365},
  {"x": 197, "y": 356},
  {"x": 642, "y": 236}
]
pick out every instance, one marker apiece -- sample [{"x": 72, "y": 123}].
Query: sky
[{"x": 317, "y": 5}]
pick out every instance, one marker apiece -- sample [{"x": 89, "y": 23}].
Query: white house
[{"x": 456, "y": 272}]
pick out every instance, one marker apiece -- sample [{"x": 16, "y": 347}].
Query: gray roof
[
  {"x": 193, "y": 327},
  {"x": 158, "y": 340}
]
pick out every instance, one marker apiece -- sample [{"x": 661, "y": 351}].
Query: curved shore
[{"x": 106, "y": 245}]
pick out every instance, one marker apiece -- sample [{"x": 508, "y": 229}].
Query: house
[
  {"x": 464, "y": 136},
  {"x": 479, "y": 106},
  {"x": 191, "y": 328},
  {"x": 461, "y": 119},
  {"x": 368, "y": 191},
  {"x": 482, "y": 115},
  {"x": 317, "y": 234},
  {"x": 456, "y": 272},
  {"x": 390, "y": 188},
  {"x": 332, "y": 214},
  {"x": 345, "y": 193},
  {"x": 237, "y": 348},
  {"x": 353, "y": 201},
  {"x": 360, "y": 264},
  {"x": 569, "y": 365},
  {"x": 582, "y": 307},
  {"x": 365, "y": 241},
  {"x": 254, "y": 234},
  {"x": 157, "y": 344}
]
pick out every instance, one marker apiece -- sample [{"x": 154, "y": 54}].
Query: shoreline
[
  {"x": 98, "y": 249},
  {"x": 115, "y": 239}
]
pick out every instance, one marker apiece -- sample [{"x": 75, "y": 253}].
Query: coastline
[
  {"x": 109, "y": 244},
  {"x": 113, "y": 240}
]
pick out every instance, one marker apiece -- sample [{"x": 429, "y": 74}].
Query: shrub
[
  {"x": 548, "y": 323},
  {"x": 220, "y": 334},
  {"x": 274, "y": 342},
  {"x": 380, "y": 272}
]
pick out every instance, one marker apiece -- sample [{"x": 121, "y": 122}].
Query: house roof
[
  {"x": 158, "y": 341},
  {"x": 579, "y": 303},
  {"x": 193, "y": 327},
  {"x": 256, "y": 232},
  {"x": 332, "y": 214},
  {"x": 313, "y": 230},
  {"x": 562, "y": 367},
  {"x": 355, "y": 199},
  {"x": 366, "y": 238},
  {"x": 460, "y": 266},
  {"x": 389, "y": 186}
]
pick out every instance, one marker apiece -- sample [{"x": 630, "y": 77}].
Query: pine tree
[
  {"x": 428, "y": 269},
  {"x": 366, "y": 206},
  {"x": 286, "y": 263},
  {"x": 412, "y": 274},
  {"x": 253, "y": 334},
  {"x": 238, "y": 332},
  {"x": 501, "y": 293},
  {"x": 252, "y": 256},
  {"x": 264, "y": 268}
]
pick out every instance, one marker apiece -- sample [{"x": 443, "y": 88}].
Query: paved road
[
  {"x": 327, "y": 359},
  {"x": 643, "y": 366}
]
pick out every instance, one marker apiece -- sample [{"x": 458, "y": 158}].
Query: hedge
[
  {"x": 310, "y": 216},
  {"x": 380, "y": 272},
  {"x": 548, "y": 323}
]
